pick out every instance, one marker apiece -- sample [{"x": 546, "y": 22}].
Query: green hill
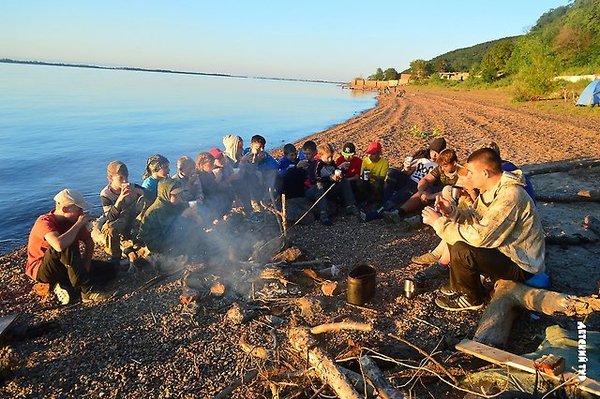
[{"x": 462, "y": 59}]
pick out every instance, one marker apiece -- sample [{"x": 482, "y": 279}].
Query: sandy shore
[{"x": 146, "y": 344}]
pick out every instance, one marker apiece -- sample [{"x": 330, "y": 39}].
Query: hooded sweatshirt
[
  {"x": 231, "y": 142},
  {"x": 503, "y": 217},
  {"x": 159, "y": 218}
]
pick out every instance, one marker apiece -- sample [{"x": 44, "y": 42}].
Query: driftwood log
[
  {"x": 509, "y": 297},
  {"x": 383, "y": 387},
  {"x": 581, "y": 196},
  {"x": 303, "y": 341},
  {"x": 591, "y": 223},
  {"x": 560, "y": 166}
]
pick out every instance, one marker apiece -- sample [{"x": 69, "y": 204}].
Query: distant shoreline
[{"x": 173, "y": 71}]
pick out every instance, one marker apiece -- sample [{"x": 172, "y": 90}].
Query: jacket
[{"x": 503, "y": 217}]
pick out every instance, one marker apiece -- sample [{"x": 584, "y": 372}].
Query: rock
[{"x": 217, "y": 289}]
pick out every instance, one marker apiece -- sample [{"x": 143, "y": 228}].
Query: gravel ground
[{"x": 146, "y": 343}]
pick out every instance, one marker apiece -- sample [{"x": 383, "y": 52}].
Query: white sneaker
[{"x": 62, "y": 294}]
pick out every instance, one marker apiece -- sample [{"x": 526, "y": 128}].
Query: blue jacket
[{"x": 269, "y": 163}]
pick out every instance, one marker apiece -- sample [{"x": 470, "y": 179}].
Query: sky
[{"x": 324, "y": 40}]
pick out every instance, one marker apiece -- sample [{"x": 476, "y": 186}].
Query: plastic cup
[{"x": 192, "y": 204}]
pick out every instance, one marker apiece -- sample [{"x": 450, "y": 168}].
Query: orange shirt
[{"x": 37, "y": 245}]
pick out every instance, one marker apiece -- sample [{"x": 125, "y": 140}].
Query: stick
[
  {"x": 375, "y": 375},
  {"x": 344, "y": 325},
  {"x": 303, "y": 342},
  {"x": 559, "y": 166},
  {"x": 313, "y": 205},
  {"x": 427, "y": 355},
  {"x": 226, "y": 393},
  {"x": 284, "y": 215}
]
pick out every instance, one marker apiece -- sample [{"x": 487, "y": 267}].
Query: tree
[
  {"x": 441, "y": 65},
  {"x": 378, "y": 75},
  {"x": 535, "y": 66},
  {"x": 420, "y": 69},
  {"x": 390, "y": 74},
  {"x": 493, "y": 64}
]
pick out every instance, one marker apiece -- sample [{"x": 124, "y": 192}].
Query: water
[{"x": 59, "y": 127}]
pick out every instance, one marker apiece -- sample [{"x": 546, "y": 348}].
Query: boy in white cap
[{"x": 53, "y": 255}]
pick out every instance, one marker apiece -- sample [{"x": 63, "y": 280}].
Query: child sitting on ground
[
  {"x": 186, "y": 174},
  {"x": 122, "y": 202},
  {"x": 373, "y": 171},
  {"x": 161, "y": 230},
  {"x": 157, "y": 167},
  {"x": 217, "y": 197},
  {"x": 430, "y": 186},
  {"x": 324, "y": 176},
  {"x": 349, "y": 163}
]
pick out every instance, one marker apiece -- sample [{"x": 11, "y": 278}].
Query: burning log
[{"x": 509, "y": 296}]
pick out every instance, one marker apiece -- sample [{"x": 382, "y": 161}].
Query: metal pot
[{"x": 361, "y": 284}]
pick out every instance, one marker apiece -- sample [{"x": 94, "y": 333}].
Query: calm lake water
[{"x": 59, "y": 127}]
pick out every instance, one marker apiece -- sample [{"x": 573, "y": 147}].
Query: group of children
[{"x": 167, "y": 212}]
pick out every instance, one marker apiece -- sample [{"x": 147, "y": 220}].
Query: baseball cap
[
  {"x": 215, "y": 152},
  {"x": 71, "y": 197},
  {"x": 348, "y": 150},
  {"x": 374, "y": 148},
  {"x": 438, "y": 144},
  {"x": 117, "y": 168}
]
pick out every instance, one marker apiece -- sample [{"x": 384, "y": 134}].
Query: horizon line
[{"x": 158, "y": 70}]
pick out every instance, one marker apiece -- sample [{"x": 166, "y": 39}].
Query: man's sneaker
[
  {"x": 434, "y": 271},
  {"x": 62, "y": 294},
  {"x": 457, "y": 303},
  {"x": 447, "y": 291},
  {"x": 352, "y": 210},
  {"x": 426, "y": 259},
  {"x": 324, "y": 217},
  {"x": 96, "y": 296}
]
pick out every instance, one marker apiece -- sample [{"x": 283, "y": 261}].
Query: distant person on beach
[
  {"x": 53, "y": 255},
  {"x": 157, "y": 167},
  {"x": 373, "y": 170},
  {"x": 501, "y": 236},
  {"x": 186, "y": 174},
  {"x": 122, "y": 202},
  {"x": 168, "y": 224}
]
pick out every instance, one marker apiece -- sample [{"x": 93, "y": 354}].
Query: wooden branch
[
  {"x": 565, "y": 198},
  {"x": 284, "y": 215},
  {"x": 560, "y": 166},
  {"x": 358, "y": 382},
  {"x": 504, "y": 358},
  {"x": 567, "y": 239},
  {"x": 509, "y": 296},
  {"x": 226, "y": 393},
  {"x": 383, "y": 387},
  {"x": 344, "y": 325},
  {"x": 427, "y": 355},
  {"x": 303, "y": 342}
]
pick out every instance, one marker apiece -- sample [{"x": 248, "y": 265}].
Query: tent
[{"x": 591, "y": 94}]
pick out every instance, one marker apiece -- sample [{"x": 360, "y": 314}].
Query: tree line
[{"x": 564, "y": 40}]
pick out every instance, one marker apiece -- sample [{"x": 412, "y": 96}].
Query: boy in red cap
[{"x": 373, "y": 170}]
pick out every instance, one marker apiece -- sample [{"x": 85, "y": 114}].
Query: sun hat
[
  {"x": 71, "y": 197},
  {"x": 374, "y": 148}
]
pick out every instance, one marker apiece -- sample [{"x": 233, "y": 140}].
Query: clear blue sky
[{"x": 334, "y": 40}]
